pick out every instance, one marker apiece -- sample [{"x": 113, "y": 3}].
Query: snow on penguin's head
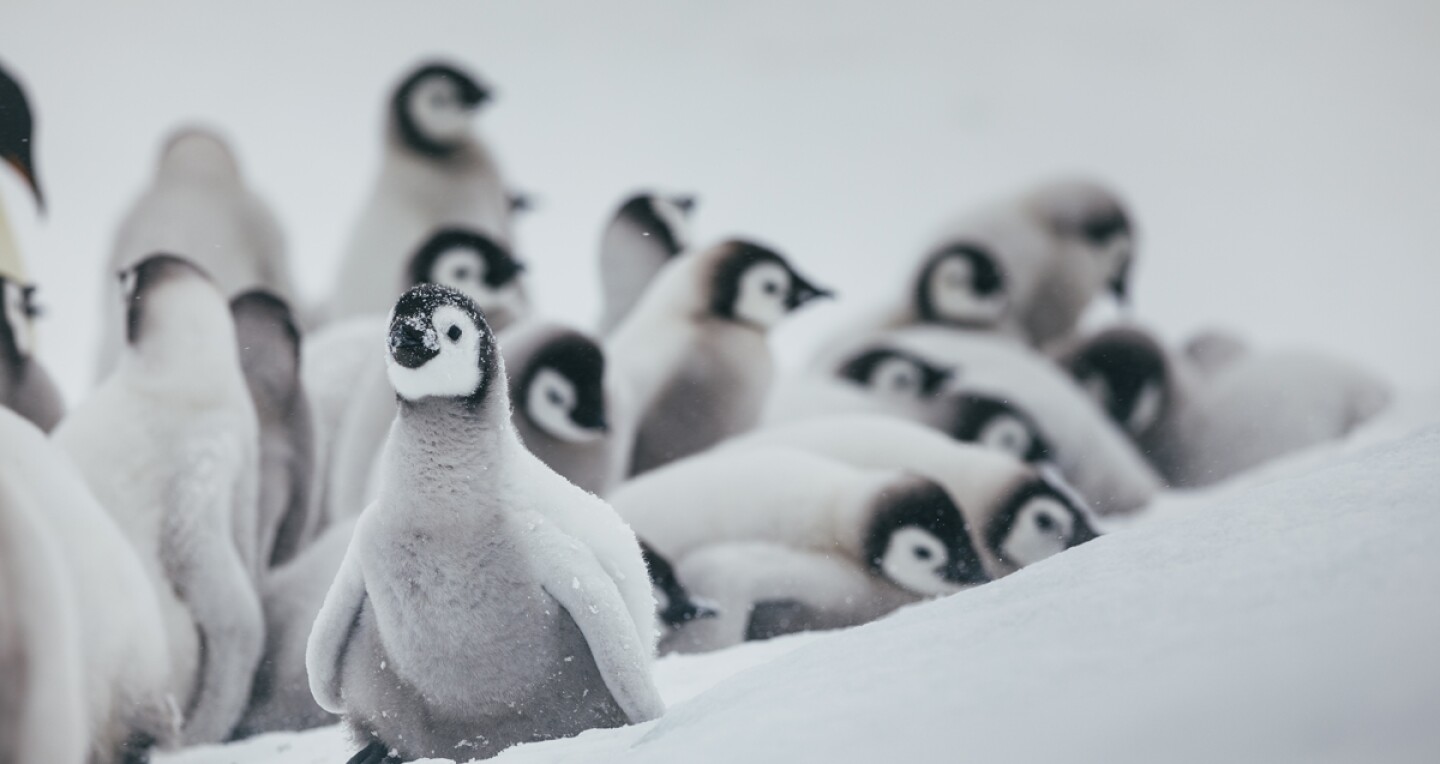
[
  {"x": 917, "y": 538},
  {"x": 561, "y": 390},
  {"x": 434, "y": 108},
  {"x": 475, "y": 264},
  {"x": 439, "y": 346}
]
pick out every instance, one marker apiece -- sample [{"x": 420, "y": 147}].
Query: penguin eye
[
  {"x": 554, "y": 397},
  {"x": 922, "y": 553},
  {"x": 453, "y": 333},
  {"x": 1044, "y": 522},
  {"x": 771, "y": 287},
  {"x": 461, "y": 274}
]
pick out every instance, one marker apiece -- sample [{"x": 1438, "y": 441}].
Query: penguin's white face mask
[
  {"x": 1041, "y": 528},
  {"x": 449, "y": 344},
  {"x": 762, "y": 297},
  {"x": 465, "y": 270},
  {"x": 17, "y": 317},
  {"x": 916, "y": 559},
  {"x": 955, "y": 297},
  {"x": 550, "y": 404},
  {"x": 438, "y": 111},
  {"x": 899, "y": 378},
  {"x": 1009, "y": 434}
]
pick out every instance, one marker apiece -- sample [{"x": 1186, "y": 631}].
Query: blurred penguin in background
[
  {"x": 25, "y": 386},
  {"x": 436, "y": 172},
  {"x": 17, "y": 149},
  {"x": 198, "y": 203},
  {"x": 645, "y": 233}
]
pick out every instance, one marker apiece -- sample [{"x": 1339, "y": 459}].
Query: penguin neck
[{"x": 447, "y": 451}]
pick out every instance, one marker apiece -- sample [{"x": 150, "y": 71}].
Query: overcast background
[{"x": 1282, "y": 158}]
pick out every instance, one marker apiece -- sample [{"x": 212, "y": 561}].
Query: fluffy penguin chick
[
  {"x": 1017, "y": 515},
  {"x": 436, "y": 172},
  {"x": 477, "y": 265},
  {"x": 645, "y": 233},
  {"x": 124, "y": 648},
  {"x": 198, "y": 204},
  {"x": 169, "y": 445},
  {"x": 286, "y": 516},
  {"x": 484, "y": 600},
  {"x": 899, "y": 525},
  {"x": 1202, "y": 426},
  {"x": 25, "y": 386},
  {"x": 692, "y": 360}
]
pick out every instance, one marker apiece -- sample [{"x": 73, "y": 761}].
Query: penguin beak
[
  {"x": 505, "y": 272},
  {"x": 685, "y": 203},
  {"x": 21, "y": 162},
  {"x": 1120, "y": 284},
  {"x": 1081, "y": 533},
  {"x": 964, "y": 569},
  {"x": 802, "y": 291},
  {"x": 410, "y": 346},
  {"x": 520, "y": 202}
]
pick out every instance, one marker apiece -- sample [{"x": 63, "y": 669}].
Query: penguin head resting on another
[
  {"x": 1126, "y": 371},
  {"x": 176, "y": 318},
  {"x": 753, "y": 285},
  {"x": 962, "y": 283},
  {"x": 994, "y": 422},
  {"x": 663, "y": 219},
  {"x": 17, "y": 126},
  {"x": 17, "y": 313},
  {"x": 917, "y": 539},
  {"x": 560, "y": 388},
  {"x": 433, "y": 109},
  {"x": 895, "y": 373},
  {"x": 1094, "y": 229},
  {"x": 477, "y": 265},
  {"x": 441, "y": 349},
  {"x": 1039, "y": 517}
]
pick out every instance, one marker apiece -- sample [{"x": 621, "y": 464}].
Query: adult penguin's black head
[{"x": 17, "y": 125}]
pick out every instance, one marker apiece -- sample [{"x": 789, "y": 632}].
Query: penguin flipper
[
  {"x": 333, "y": 628},
  {"x": 593, "y": 601}
]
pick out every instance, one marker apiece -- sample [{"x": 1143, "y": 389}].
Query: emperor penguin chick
[
  {"x": 25, "y": 386},
  {"x": 286, "y": 517},
  {"x": 198, "y": 204},
  {"x": 124, "y": 650},
  {"x": 645, "y": 233},
  {"x": 436, "y": 172},
  {"x": 484, "y": 600},
  {"x": 692, "y": 360},
  {"x": 168, "y": 443}
]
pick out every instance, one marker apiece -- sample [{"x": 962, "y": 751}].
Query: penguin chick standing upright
[
  {"x": 198, "y": 204},
  {"x": 25, "y": 386},
  {"x": 646, "y": 232},
  {"x": 436, "y": 172},
  {"x": 692, "y": 360},
  {"x": 270, "y": 357},
  {"x": 168, "y": 443},
  {"x": 484, "y": 600}
]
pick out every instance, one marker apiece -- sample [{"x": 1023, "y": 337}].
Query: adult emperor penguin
[
  {"x": 1203, "y": 425},
  {"x": 645, "y": 233},
  {"x": 436, "y": 172},
  {"x": 25, "y": 386},
  {"x": 128, "y": 703},
  {"x": 168, "y": 443},
  {"x": 16, "y": 150},
  {"x": 200, "y": 204},
  {"x": 484, "y": 600},
  {"x": 692, "y": 361},
  {"x": 269, "y": 339}
]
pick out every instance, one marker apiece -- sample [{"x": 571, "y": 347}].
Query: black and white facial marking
[
  {"x": 269, "y": 341},
  {"x": 917, "y": 539},
  {"x": 1124, "y": 370},
  {"x": 754, "y": 285},
  {"x": 895, "y": 373},
  {"x": 434, "y": 107},
  {"x": 1093, "y": 217},
  {"x": 666, "y": 219},
  {"x": 962, "y": 284},
  {"x": 439, "y": 346},
  {"x": 1036, "y": 521},
  {"x": 562, "y": 389},
  {"x": 994, "y": 423},
  {"x": 472, "y": 263},
  {"x": 140, "y": 281},
  {"x": 18, "y": 309},
  {"x": 672, "y": 602},
  {"x": 16, "y": 133}
]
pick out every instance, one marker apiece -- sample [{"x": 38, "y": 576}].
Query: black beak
[
  {"x": 26, "y": 167},
  {"x": 521, "y": 202},
  {"x": 802, "y": 291},
  {"x": 964, "y": 569},
  {"x": 408, "y": 345},
  {"x": 596, "y": 422},
  {"x": 1120, "y": 284},
  {"x": 504, "y": 272},
  {"x": 1082, "y": 532},
  {"x": 686, "y": 203}
]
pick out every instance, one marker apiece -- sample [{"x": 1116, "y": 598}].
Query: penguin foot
[{"x": 375, "y": 753}]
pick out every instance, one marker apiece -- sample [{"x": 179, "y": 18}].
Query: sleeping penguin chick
[
  {"x": 25, "y": 387},
  {"x": 484, "y": 600},
  {"x": 1017, "y": 514},
  {"x": 692, "y": 360},
  {"x": 898, "y": 525},
  {"x": 477, "y": 265},
  {"x": 168, "y": 443},
  {"x": 1199, "y": 429},
  {"x": 270, "y": 358},
  {"x": 646, "y": 232},
  {"x": 124, "y": 655},
  {"x": 198, "y": 203},
  {"x": 891, "y": 372},
  {"x": 436, "y": 173}
]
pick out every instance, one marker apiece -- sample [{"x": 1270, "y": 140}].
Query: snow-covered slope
[{"x": 1291, "y": 621}]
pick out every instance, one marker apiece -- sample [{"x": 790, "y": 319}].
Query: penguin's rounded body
[
  {"x": 25, "y": 386},
  {"x": 125, "y": 656},
  {"x": 198, "y": 204},
  {"x": 646, "y": 232},
  {"x": 692, "y": 360},
  {"x": 168, "y": 444},
  {"x": 477, "y": 608},
  {"x": 435, "y": 173},
  {"x": 270, "y": 354}
]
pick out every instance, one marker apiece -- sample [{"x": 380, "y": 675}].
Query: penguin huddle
[{"x": 424, "y": 509}]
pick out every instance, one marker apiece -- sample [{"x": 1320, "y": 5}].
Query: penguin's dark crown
[{"x": 500, "y": 266}]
